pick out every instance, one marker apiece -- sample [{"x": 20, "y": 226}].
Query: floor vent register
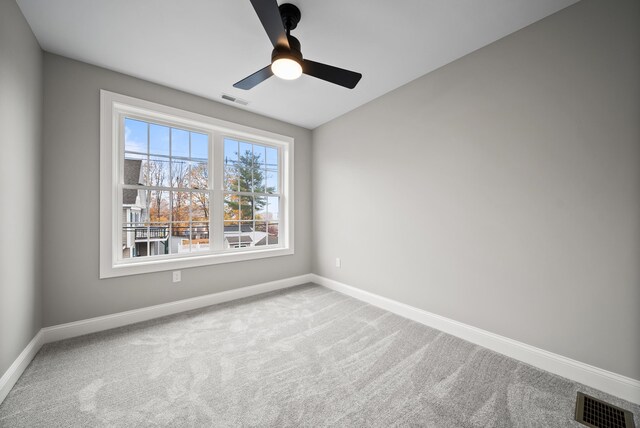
[{"x": 597, "y": 414}]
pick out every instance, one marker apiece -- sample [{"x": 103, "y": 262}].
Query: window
[
  {"x": 165, "y": 188},
  {"x": 180, "y": 189},
  {"x": 251, "y": 197}
]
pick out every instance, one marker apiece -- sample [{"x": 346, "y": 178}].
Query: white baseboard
[
  {"x": 92, "y": 325},
  {"x": 606, "y": 381},
  {"x": 13, "y": 373}
]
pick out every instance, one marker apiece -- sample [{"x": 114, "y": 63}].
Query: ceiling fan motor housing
[{"x": 292, "y": 52}]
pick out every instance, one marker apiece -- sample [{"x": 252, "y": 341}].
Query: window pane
[
  {"x": 180, "y": 208},
  {"x": 244, "y": 170},
  {"x": 158, "y": 172},
  {"x": 158, "y": 207},
  {"x": 180, "y": 231},
  {"x": 179, "y": 143},
  {"x": 158, "y": 236},
  {"x": 134, "y": 205},
  {"x": 128, "y": 240},
  {"x": 230, "y": 178},
  {"x": 133, "y": 213},
  {"x": 140, "y": 246},
  {"x": 272, "y": 158},
  {"x": 134, "y": 168},
  {"x": 261, "y": 226},
  {"x": 231, "y": 233},
  {"x": 271, "y": 182},
  {"x": 199, "y": 147},
  {"x": 199, "y": 175},
  {"x": 158, "y": 140},
  {"x": 159, "y": 239},
  {"x": 273, "y": 234},
  {"x": 135, "y": 136},
  {"x": 200, "y": 206},
  {"x": 231, "y": 207},
  {"x": 259, "y": 155},
  {"x": 179, "y": 173},
  {"x": 260, "y": 233},
  {"x": 246, "y": 151},
  {"x": 230, "y": 151},
  {"x": 273, "y": 208},
  {"x": 199, "y": 237},
  {"x": 180, "y": 241},
  {"x": 258, "y": 179},
  {"x": 260, "y": 207},
  {"x": 246, "y": 208},
  {"x": 246, "y": 234}
]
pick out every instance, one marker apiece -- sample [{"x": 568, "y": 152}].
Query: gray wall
[
  {"x": 502, "y": 190},
  {"x": 20, "y": 144},
  {"x": 72, "y": 290}
]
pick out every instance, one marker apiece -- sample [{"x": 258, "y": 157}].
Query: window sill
[{"x": 150, "y": 266}]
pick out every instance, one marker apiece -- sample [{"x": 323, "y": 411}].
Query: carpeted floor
[{"x": 305, "y": 356}]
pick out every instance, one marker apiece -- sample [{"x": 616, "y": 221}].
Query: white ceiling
[{"x": 205, "y": 46}]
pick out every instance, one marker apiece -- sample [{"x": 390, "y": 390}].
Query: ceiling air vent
[
  {"x": 235, "y": 100},
  {"x": 598, "y": 414}
]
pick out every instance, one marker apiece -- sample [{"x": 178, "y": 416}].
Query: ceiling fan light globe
[{"x": 286, "y": 68}]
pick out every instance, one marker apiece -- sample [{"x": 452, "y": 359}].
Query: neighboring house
[
  {"x": 236, "y": 241},
  {"x": 135, "y": 233},
  {"x": 244, "y": 236}
]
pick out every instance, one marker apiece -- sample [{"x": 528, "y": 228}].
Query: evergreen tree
[{"x": 250, "y": 178}]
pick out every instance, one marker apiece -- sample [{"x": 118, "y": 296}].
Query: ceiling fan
[{"x": 286, "y": 58}]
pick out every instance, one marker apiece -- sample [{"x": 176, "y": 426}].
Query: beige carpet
[{"x": 305, "y": 356}]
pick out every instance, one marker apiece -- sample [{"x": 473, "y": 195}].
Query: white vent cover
[{"x": 234, "y": 99}]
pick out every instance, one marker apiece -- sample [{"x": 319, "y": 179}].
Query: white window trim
[{"x": 112, "y": 106}]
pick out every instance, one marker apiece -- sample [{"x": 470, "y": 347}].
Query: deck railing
[{"x": 143, "y": 232}]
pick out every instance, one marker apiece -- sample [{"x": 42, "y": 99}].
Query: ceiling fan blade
[
  {"x": 252, "y": 80},
  {"x": 339, "y": 76},
  {"x": 271, "y": 20}
]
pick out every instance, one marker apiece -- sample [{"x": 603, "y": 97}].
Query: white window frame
[{"x": 113, "y": 108}]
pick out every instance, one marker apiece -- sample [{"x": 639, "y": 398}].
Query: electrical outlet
[
  {"x": 338, "y": 262},
  {"x": 177, "y": 276}
]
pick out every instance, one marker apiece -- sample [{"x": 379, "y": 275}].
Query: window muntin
[{"x": 189, "y": 190}]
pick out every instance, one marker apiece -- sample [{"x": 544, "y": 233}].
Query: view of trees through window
[
  {"x": 251, "y": 201},
  {"x": 166, "y": 192}
]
